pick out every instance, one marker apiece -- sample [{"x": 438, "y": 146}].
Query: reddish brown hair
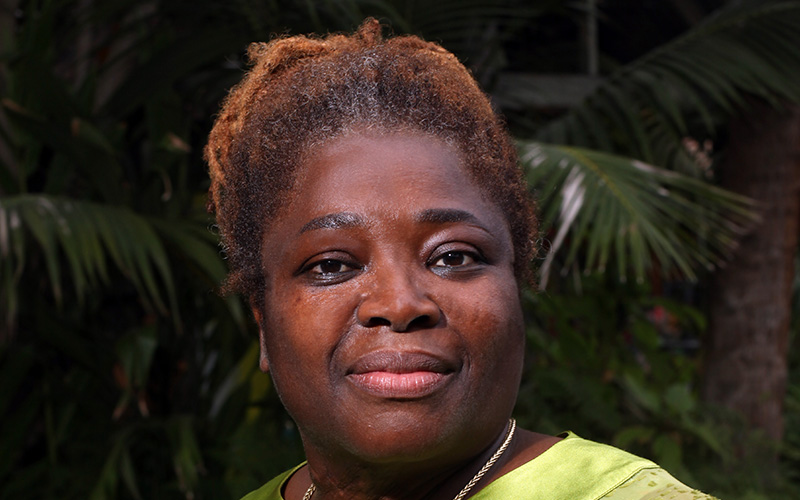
[{"x": 303, "y": 91}]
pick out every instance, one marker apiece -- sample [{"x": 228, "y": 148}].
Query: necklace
[{"x": 512, "y": 426}]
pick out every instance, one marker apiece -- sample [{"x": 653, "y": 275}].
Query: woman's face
[{"x": 391, "y": 322}]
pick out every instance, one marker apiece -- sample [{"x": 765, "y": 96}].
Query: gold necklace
[{"x": 512, "y": 426}]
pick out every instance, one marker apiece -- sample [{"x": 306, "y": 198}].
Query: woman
[{"x": 373, "y": 213}]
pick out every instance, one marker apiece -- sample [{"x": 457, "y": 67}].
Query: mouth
[{"x": 400, "y": 375}]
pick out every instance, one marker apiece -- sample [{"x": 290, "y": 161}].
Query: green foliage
[
  {"x": 609, "y": 361},
  {"x": 622, "y": 210},
  {"x": 688, "y": 87},
  {"x": 624, "y": 360},
  {"x": 116, "y": 353}
]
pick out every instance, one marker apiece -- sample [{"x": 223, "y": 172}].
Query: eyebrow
[
  {"x": 447, "y": 216},
  {"x": 333, "y": 221},
  {"x": 340, "y": 220}
]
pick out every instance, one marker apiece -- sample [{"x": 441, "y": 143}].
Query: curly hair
[{"x": 303, "y": 91}]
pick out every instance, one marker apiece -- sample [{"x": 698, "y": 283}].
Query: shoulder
[
  {"x": 579, "y": 469},
  {"x": 272, "y": 490},
  {"x": 654, "y": 484}
]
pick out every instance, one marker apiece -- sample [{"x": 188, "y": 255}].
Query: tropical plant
[
  {"x": 113, "y": 340},
  {"x": 673, "y": 108},
  {"x": 660, "y": 110}
]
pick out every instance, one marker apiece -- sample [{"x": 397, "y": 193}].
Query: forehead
[{"x": 382, "y": 169}]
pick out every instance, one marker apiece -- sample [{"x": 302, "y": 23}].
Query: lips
[{"x": 400, "y": 375}]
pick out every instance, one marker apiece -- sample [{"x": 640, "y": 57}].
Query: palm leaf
[
  {"x": 605, "y": 211},
  {"x": 692, "y": 85},
  {"x": 83, "y": 237}
]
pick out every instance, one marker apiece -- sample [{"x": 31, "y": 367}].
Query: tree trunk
[{"x": 750, "y": 299}]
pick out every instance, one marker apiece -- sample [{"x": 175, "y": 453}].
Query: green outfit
[{"x": 572, "y": 469}]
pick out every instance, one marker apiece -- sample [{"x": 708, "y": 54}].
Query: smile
[{"x": 398, "y": 375}]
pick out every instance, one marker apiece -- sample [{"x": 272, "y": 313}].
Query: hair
[{"x": 303, "y": 91}]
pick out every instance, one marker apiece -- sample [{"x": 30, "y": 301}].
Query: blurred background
[{"x": 661, "y": 138}]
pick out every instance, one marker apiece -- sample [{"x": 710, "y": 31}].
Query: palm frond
[
  {"x": 84, "y": 237},
  {"x": 692, "y": 85},
  {"x": 609, "y": 211},
  {"x": 603, "y": 209}
]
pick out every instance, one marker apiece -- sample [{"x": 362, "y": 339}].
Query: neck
[{"x": 345, "y": 478}]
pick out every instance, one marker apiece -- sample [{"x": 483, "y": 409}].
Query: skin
[{"x": 391, "y": 322}]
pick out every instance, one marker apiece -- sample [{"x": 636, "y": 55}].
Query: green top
[{"x": 572, "y": 469}]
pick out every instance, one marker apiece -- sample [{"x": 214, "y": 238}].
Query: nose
[{"x": 398, "y": 300}]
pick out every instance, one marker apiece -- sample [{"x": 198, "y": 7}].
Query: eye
[
  {"x": 455, "y": 259},
  {"x": 329, "y": 271}
]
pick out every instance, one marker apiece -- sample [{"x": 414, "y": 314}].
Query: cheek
[
  {"x": 491, "y": 323},
  {"x": 293, "y": 348},
  {"x": 494, "y": 333},
  {"x": 304, "y": 327}
]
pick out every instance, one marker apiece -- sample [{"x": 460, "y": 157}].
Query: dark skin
[
  {"x": 525, "y": 446},
  {"x": 391, "y": 321}
]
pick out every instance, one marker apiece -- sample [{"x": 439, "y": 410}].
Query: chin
[{"x": 406, "y": 438}]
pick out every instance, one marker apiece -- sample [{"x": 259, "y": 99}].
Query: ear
[{"x": 263, "y": 362}]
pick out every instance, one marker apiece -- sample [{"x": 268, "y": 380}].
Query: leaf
[
  {"x": 679, "y": 399},
  {"x": 668, "y": 452},
  {"x": 641, "y": 394},
  {"x": 186, "y": 456},
  {"x": 184, "y": 55},
  {"x": 600, "y": 205},
  {"x": 630, "y": 436},
  {"x": 77, "y": 141},
  {"x": 745, "y": 49},
  {"x": 82, "y": 237},
  {"x": 106, "y": 485},
  {"x": 20, "y": 419},
  {"x": 135, "y": 351},
  {"x": 128, "y": 474}
]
